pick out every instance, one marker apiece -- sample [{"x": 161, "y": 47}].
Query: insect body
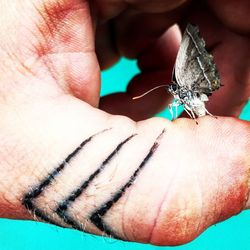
[
  {"x": 193, "y": 102},
  {"x": 195, "y": 76}
]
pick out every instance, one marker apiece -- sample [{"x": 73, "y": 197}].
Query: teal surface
[{"x": 22, "y": 235}]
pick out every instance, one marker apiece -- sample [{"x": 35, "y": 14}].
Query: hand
[
  {"x": 66, "y": 162},
  {"x": 140, "y": 32}
]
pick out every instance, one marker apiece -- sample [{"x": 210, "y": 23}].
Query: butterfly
[{"x": 195, "y": 76}]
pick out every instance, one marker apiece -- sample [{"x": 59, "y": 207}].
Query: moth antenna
[{"x": 149, "y": 91}]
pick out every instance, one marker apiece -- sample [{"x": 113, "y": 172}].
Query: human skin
[{"x": 176, "y": 178}]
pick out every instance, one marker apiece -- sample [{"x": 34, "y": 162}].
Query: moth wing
[{"x": 194, "y": 66}]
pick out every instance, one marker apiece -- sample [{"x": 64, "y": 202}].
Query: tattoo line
[
  {"x": 35, "y": 192},
  {"x": 64, "y": 205},
  {"x": 97, "y": 216}
]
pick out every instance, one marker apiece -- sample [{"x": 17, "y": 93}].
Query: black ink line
[
  {"x": 63, "y": 206},
  {"x": 97, "y": 216},
  {"x": 35, "y": 192}
]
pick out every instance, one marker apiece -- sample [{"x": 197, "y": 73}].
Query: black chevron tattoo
[
  {"x": 97, "y": 216},
  {"x": 64, "y": 205},
  {"x": 36, "y": 191}
]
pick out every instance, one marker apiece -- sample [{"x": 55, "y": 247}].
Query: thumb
[{"x": 55, "y": 40}]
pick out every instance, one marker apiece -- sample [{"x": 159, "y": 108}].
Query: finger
[
  {"x": 131, "y": 34},
  {"x": 163, "y": 53},
  {"x": 231, "y": 54},
  {"x": 107, "y": 9},
  {"x": 54, "y": 171},
  {"x": 75, "y": 42},
  {"x": 157, "y": 65},
  {"x": 145, "y": 107},
  {"x": 55, "y": 39},
  {"x": 137, "y": 166},
  {"x": 233, "y": 14},
  {"x": 106, "y": 49},
  {"x": 156, "y": 6},
  {"x": 137, "y": 33}
]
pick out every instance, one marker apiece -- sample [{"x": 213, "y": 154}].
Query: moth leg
[
  {"x": 188, "y": 113},
  {"x": 194, "y": 116},
  {"x": 191, "y": 113},
  {"x": 187, "y": 109},
  {"x": 210, "y": 113}
]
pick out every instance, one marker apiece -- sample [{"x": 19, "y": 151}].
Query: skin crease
[{"x": 48, "y": 54}]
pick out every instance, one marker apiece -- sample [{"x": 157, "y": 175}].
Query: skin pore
[{"x": 65, "y": 162}]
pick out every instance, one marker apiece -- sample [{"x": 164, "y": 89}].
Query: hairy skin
[
  {"x": 64, "y": 161},
  {"x": 187, "y": 193}
]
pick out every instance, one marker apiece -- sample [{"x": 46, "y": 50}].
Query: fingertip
[
  {"x": 162, "y": 55},
  {"x": 83, "y": 77}
]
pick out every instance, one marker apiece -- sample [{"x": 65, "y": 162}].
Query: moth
[{"x": 195, "y": 76}]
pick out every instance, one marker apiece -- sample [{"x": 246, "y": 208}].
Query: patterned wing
[{"x": 194, "y": 66}]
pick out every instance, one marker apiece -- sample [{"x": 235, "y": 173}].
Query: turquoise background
[{"x": 25, "y": 235}]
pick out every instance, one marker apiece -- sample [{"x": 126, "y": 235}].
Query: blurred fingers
[{"x": 231, "y": 53}]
